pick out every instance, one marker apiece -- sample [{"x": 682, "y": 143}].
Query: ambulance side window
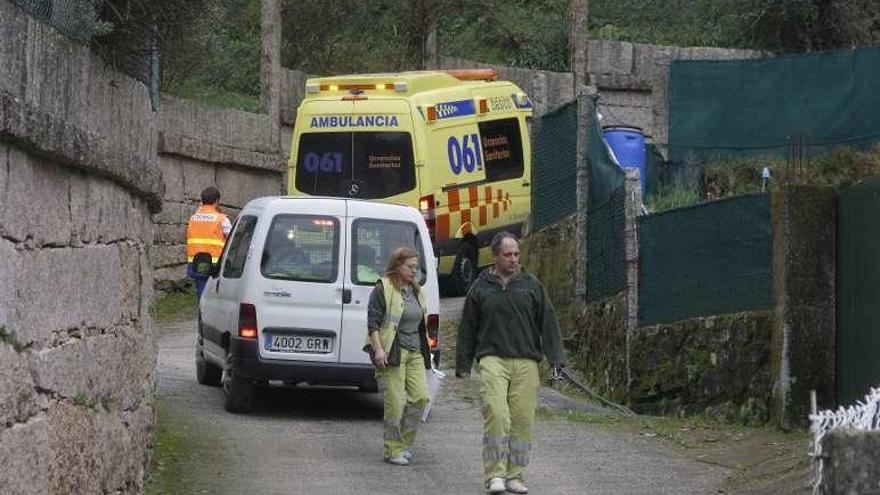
[
  {"x": 502, "y": 149},
  {"x": 236, "y": 255}
]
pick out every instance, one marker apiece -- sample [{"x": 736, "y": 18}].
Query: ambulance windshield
[{"x": 365, "y": 165}]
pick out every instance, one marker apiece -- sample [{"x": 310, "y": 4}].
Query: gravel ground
[{"x": 328, "y": 441}]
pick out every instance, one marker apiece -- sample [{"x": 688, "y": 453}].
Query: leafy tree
[{"x": 810, "y": 25}]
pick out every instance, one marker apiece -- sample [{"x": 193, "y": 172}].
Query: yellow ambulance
[{"x": 453, "y": 144}]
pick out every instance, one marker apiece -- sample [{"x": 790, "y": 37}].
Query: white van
[{"x": 287, "y": 301}]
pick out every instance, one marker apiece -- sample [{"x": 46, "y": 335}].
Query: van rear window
[
  {"x": 373, "y": 242},
  {"x": 365, "y": 165},
  {"x": 301, "y": 247}
]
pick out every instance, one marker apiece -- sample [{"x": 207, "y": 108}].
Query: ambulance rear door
[{"x": 359, "y": 149}]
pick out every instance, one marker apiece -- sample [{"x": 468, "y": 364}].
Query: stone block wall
[
  {"x": 719, "y": 365},
  {"x": 238, "y": 152},
  {"x": 78, "y": 185},
  {"x": 632, "y": 79}
]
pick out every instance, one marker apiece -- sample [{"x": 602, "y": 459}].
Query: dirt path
[{"x": 306, "y": 441}]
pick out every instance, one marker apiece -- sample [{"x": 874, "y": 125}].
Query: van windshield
[{"x": 365, "y": 165}]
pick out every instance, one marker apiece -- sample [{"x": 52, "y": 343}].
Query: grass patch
[
  {"x": 185, "y": 455},
  {"x": 671, "y": 197},
  {"x": 175, "y": 306},
  {"x": 216, "y": 97}
]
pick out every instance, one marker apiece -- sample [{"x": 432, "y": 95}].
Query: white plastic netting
[{"x": 864, "y": 415}]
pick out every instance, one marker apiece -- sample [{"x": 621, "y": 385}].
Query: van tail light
[
  {"x": 434, "y": 331},
  {"x": 247, "y": 321},
  {"x": 426, "y": 206}
]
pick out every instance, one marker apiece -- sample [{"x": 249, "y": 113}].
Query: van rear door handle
[
  {"x": 526, "y": 184},
  {"x": 346, "y": 296}
]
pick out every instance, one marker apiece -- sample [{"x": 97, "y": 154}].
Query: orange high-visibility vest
[{"x": 204, "y": 233}]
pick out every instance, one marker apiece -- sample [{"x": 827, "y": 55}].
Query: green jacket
[{"x": 516, "y": 321}]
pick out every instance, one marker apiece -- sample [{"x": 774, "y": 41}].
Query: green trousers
[
  {"x": 509, "y": 388},
  {"x": 405, "y": 394}
]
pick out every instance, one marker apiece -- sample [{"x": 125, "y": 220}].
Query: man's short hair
[
  {"x": 498, "y": 239},
  {"x": 210, "y": 195}
]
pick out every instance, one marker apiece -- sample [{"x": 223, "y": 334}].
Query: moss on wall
[{"x": 718, "y": 365}]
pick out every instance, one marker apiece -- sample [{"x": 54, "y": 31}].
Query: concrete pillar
[
  {"x": 580, "y": 13},
  {"x": 803, "y": 341},
  {"x": 270, "y": 64},
  {"x": 633, "y": 206},
  {"x": 539, "y": 93}
]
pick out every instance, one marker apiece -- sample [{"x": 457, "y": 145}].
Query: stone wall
[
  {"x": 718, "y": 365},
  {"x": 632, "y": 80},
  {"x": 78, "y": 182},
  {"x": 238, "y": 152},
  {"x": 751, "y": 366},
  {"x": 851, "y": 465}
]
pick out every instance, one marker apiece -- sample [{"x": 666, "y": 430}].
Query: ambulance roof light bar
[
  {"x": 473, "y": 74},
  {"x": 398, "y": 86}
]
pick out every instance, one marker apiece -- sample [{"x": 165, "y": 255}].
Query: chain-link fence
[
  {"x": 606, "y": 218},
  {"x": 554, "y": 155},
  {"x": 76, "y": 19}
]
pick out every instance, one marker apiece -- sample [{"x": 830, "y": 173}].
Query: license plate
[{"x": 299, "y": 343}]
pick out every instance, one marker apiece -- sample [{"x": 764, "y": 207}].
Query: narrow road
[{"x": 324, "y": 441}]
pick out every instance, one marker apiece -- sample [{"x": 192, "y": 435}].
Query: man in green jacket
[{"x": 507, "y": 324}]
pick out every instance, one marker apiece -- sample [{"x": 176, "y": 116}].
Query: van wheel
[
  {"x": 238, "y": 392},
  {"x": 206, "y": 373},
  {"x": 464, "y": 269}
]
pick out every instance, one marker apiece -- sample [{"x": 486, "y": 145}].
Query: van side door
[{"x": 220, "y": 313}]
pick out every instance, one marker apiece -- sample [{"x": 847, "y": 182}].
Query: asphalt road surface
[{"x": 328, "y": 441}]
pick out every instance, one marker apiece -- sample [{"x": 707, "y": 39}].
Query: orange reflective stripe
[
  {"x": 206, "y": 242},
  {"x": 484, "y": 214},
  {"x": 465, "y": 216},
  {"x": 442, "y": 229},
  {"x": 494, "y": 210},
  {"x": 499, "y": 196},
  {"x": 452, "y": 199},
  {"x": 488, "y": 194},
  {"x": 475, "y": 196}
]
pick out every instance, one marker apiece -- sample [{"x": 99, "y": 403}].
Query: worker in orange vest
[{"x": 206, "y": 234}]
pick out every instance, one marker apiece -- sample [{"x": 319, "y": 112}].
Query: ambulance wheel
[{"x": 464, "y": 269}]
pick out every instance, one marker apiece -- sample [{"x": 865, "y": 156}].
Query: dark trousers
[{"x": 201, "y": 280}]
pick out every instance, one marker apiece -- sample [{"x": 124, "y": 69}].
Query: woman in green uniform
[{"x": 398, "y": 345}]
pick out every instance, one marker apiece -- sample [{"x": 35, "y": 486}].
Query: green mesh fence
[
  {"x": 606, "y": 252},
  {"x": 705, "y": 260},
  {"x": 728, "y": 108},
  {"x": 858, "y": 276},
  {"x": 554, "y": 153}
]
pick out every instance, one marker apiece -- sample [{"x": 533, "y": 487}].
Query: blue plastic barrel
[{"x": 628, "y": 145}]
